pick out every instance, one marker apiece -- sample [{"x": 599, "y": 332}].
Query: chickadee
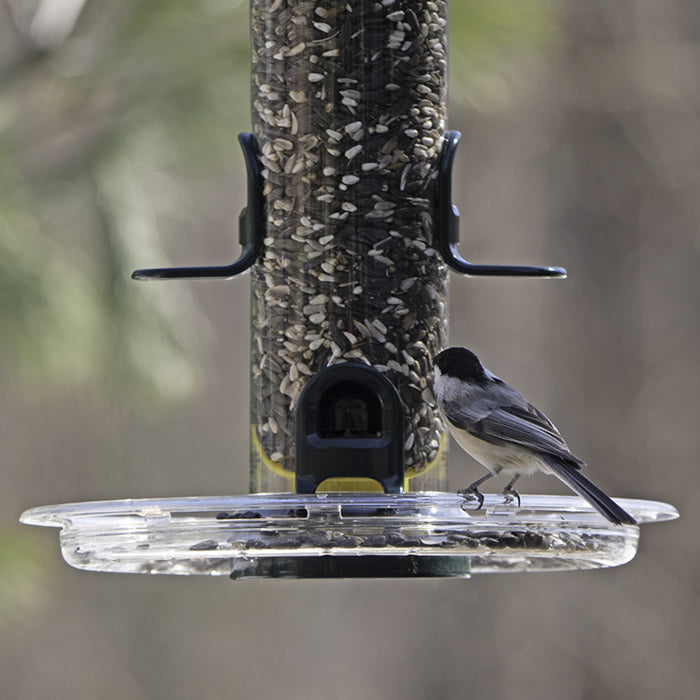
[{"x": 497, "y": 426}]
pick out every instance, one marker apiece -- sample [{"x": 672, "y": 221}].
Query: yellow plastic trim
[
  {"x": 275, "y": 467},
  {"x": 412, "y": 472},
  {"x": 349, "y": 483}
]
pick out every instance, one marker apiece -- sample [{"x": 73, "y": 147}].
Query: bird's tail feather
[{"x": 585, "y": 488}]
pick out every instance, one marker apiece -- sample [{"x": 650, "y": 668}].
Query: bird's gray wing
[{"x": 525, "y": 426}]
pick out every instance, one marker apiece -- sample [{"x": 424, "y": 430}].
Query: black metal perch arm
[
  {"x": 448, "y": 227},
  {"x": 251, "y": 226}
]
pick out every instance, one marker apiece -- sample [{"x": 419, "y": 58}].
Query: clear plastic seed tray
[{"x": 343, "y": 535}]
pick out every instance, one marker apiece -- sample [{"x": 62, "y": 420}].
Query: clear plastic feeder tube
[{"x": 349, "y": 108}]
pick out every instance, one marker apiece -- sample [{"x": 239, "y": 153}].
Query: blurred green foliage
[
  {"x": 24, "y": 564},
  {"x": 98, "y": 130},
  {"x": 487, "y": 37}
]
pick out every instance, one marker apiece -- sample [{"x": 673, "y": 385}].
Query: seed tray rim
[
  {"x": 190, "y": 536},
  {"x": 429, "y": 504}
]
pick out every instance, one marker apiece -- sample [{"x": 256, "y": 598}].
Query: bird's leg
[
  {"x": 510, "y": 493},
  {"x": 472, "y": 491}
]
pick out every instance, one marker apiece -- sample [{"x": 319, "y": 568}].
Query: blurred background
[{"x": 118, "y": 124}]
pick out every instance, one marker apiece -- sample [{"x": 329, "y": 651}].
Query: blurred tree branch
[{"x": 53, "y": 22}]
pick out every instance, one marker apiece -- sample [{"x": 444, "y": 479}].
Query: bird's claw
[
  {"x": 472, "y": 494},
  {"x": 510, "y": 495}
]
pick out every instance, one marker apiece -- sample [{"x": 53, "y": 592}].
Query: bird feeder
[{"x": 348, "y": 234}]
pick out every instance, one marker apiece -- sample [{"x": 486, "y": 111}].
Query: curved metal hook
[
  {"x": 447, "y": 229},
  {"x": 250, "y": 226}
]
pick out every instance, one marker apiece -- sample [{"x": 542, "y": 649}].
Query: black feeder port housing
[
  {"x": 350, "y": 433},
  {"x": 348, "y": 235}
]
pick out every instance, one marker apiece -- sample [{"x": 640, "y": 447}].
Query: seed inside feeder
[{"x": 352, "y": 99}]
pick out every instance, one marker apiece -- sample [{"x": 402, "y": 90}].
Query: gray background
[{"x": 582, "y": 150}]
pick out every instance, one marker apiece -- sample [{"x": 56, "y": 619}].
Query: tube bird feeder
[{"x": 349, "y": 233}]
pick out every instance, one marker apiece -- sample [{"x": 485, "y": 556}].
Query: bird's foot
[
  {"x": 510, "y": 495},
  {"x": 472, "y": 493}
]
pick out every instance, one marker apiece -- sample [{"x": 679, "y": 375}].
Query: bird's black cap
[{"x": 460, "y": 363}]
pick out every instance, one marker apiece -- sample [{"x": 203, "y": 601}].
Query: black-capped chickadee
[{"x": 499, "y": 428}]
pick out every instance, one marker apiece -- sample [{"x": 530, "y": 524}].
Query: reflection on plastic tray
[{"x": 343, "y": 535}]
